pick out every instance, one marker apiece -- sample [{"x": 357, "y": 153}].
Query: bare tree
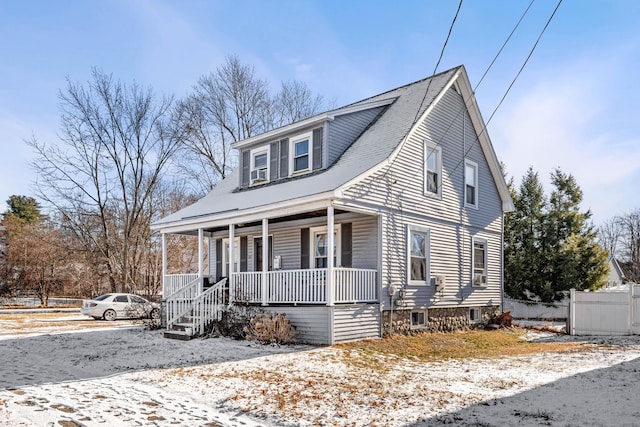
[
  {"x": 228, "y": 105},
  {"x": 296, "y": 102},
  {"x": 115, "y": 144},
  {"x": 35, "y": 261},
  {"x": 630, "y": 244},
  {"x": 609, "y": 236}
]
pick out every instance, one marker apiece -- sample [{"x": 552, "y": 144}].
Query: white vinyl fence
[
  {"x": 605, "y": 313},
  {"x": 536, "y": 310}
]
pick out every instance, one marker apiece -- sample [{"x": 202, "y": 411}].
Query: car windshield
[
  {"x": 102, "y": 297},
  {"x": 138, "y": 299}
]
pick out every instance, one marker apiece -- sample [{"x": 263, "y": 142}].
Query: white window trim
[
  {"x": 225, "y": 254},
  {"x": 292, "y": 144},
  {"x": 426, "y": 317},
  {"x": 478, "y": 318},
  {"x": 256, "y": 152},
  {"x": 438, "y": 152},
  {"x": 421, "y": 230},
  {"x": 475, "y": 240},
  {"x": 474, "y": 165},
  {"x": 337, "y": 229}
]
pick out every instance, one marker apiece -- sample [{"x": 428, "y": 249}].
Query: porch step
[
  {"x": 178, "y": 335},
  {"x": 181, "y": 326}
]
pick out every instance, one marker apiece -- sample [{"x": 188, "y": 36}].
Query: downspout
[
  {"x": 462, "y": 202},
  {"x": 502, "y": 263}
]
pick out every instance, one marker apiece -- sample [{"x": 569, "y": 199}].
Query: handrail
[
  {"x": 206, "y": 306},
  {"x": 180, "y": 301},
  {"x": 197, "y": 305}
]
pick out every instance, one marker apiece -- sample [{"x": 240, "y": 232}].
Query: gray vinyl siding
[
  {"x": 312, "y": 322},
  {"x": 357, "y": 321},
  {"x": 286, "y": 241},
  {"x": 398, "y": 192},
  {"x": 350, "y": 322},
  {"x": 346, "y": 128},
  {"x": 365, "y": 242}
]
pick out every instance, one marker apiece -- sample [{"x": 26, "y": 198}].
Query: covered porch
[{"x": 305, "y": 264}]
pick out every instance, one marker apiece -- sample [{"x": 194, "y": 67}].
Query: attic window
[
  {"x": 471, "y": 184},
  {"x": 433, "y": 170},
  {"x": 301, "y": 153}
]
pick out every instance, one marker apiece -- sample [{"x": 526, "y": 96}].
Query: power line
[
  {"x": 526, "y": 61},
  {"x": 435, "y": 69},
  {"x": 463, "y": 108}
]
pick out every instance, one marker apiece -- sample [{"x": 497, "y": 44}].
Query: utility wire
[
  {"x": 484, "y": 127},
  {"x": 435, "y": 69},
  {"x": 464, "y": 106}
]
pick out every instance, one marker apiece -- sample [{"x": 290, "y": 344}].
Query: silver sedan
[{"x": 120, "y": 306}]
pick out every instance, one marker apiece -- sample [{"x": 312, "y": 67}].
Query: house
[
  {"x": 383, "y": 215},
  {"x": 616, "y": 275}
]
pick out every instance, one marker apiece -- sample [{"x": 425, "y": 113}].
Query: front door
[{"x": 257, "y": 253}]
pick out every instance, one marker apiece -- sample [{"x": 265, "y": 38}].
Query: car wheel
[
  {"x": 109, "y": 315},
  {"x": 155, "y": 314}
]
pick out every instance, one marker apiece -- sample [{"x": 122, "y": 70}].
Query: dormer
[{"x": 304, "y": 147}]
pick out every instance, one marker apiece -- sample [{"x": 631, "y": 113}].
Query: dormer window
[
  {"x": 301, "y": 153},
  {"x": 260, "y": 165}
]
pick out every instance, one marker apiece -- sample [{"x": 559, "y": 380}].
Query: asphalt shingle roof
[{"x": 374, "y": 146}]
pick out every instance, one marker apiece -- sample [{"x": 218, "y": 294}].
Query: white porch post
[
  {"x": 164, "y": 263},
  {"x": 330, "y": 239},
  {"x": 265, "y": 259},
  {"x": 231, "y": 260},
  {"x": 200, "y": 255}
]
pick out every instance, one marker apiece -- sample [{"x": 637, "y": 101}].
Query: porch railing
[
  {"x": 172, "y": 283},
  {"x": 306, "y": 286},
  {"x": 246, "y": 287},
  {"x": 354, "y": 285}
]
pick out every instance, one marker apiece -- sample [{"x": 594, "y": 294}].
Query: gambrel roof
[{"x": 404, "y": 107}]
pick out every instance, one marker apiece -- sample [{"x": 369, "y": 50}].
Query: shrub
[
  {"x": 235, "y": 319},
  {"x": 270, "y": 328}
]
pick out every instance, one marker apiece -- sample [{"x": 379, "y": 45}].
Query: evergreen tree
[
  {"x": 522, "y": 237},
  {"x": 550, "y": 246},
  {"x": 25, "y": 208}
]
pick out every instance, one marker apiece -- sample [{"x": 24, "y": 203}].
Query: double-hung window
[
  {"x": 260, "y": 164},
  {"x": 471, "y": 183},
  {"x": 301, "y": 153},
  {"x": 320, "y": 247},
  {"x": 433, "y": 170},
  {"x": 479, "y": 262},
  {"x": 418, "y": 255}
]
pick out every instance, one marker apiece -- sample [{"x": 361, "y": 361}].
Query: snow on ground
[{"x": 126, "y": 376}]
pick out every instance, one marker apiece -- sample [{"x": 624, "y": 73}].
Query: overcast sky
[{"x": 575, "y": 105}]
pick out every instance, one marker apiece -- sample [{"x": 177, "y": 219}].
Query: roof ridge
[{"x": 399, "y": 87}]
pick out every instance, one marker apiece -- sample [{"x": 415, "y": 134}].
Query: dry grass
[{"x": 476, "y": 344}]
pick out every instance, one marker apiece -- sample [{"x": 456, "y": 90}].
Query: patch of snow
[{"x": 130, "y": 376}]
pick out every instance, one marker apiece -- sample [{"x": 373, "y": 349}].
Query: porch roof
[{"x": 312, "y": 191}]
